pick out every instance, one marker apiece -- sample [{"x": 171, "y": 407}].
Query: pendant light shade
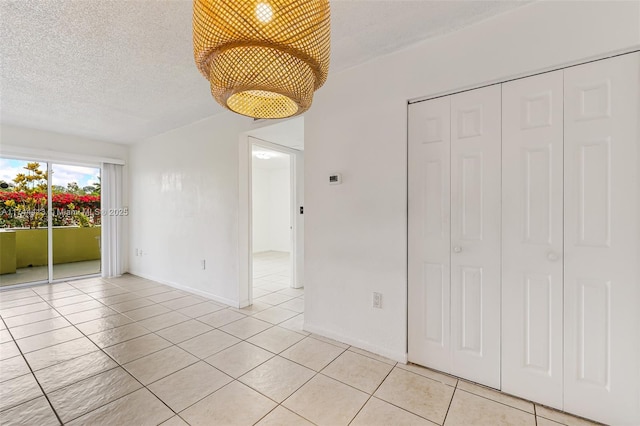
[{"x": 264, "y": 58}]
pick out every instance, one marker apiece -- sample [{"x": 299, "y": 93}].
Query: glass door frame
[
  {"x": 50, "y": 279},
  {"x": 50, "y": 167}
]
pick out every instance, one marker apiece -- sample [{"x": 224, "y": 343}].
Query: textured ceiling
[{"x": 122, "y": 70}]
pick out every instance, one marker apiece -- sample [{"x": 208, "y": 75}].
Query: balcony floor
[{"x": 40, "y": 273}]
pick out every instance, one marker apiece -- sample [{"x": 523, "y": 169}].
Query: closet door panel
[
  {"x": 475, "y": 235},
  {"x": 602, "y": 240},
  {"x": 429, "y": 233},
  {"x": 532, "y": 238}
]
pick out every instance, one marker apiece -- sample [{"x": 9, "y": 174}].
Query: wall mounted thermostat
[{"x": 335, "y": 179}]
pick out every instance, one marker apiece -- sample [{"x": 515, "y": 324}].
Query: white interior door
[
  {"x": 532, "y": 233},
  {"x": 602, "y": 240},
  {"x": 475, "y": 234},
  {"x": 429, "y": 233}
]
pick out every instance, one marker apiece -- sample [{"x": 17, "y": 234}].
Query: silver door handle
[
  {"x": 457, "y": 249},
  {"x": 552, "y": 257}
]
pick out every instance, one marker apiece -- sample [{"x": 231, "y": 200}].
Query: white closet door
[
  {"x": 532, "y": 233},
  {"x": 475, "y": 235},
  {"x": 429, "y": 233},
  {"x": 602, "y": 240}
]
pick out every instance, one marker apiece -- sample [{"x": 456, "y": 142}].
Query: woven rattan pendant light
[{"x": 263, "y": 58}]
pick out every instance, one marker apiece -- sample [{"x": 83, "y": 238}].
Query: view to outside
[{"x": 24, "y": 221}]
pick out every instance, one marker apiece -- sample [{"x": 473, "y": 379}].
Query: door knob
[
  {"x": 552, "y": 257},
  {"x": 457, "y": 249}
]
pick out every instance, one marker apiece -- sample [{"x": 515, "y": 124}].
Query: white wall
[
  {"x": 271, "y": 209},
  {"x": 280, "y": 209},
  {"x": 184, "y": 207},
  {"x": 260, "y": 202},
  {"x": 356, "y": 233}
]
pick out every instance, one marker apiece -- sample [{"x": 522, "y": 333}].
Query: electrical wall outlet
[
  {"x": 377, "y": 300},
  {"x": 203, "y": 264}
]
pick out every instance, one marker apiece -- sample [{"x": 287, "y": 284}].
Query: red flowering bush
[{"x": 68, "y": 209}]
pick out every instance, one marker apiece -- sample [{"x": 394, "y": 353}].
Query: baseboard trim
[
  {"x": 229, "y": 302},
  {"x": 393, "y": 355}
]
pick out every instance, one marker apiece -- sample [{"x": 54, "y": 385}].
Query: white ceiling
[{"x": 123, "y": 70}]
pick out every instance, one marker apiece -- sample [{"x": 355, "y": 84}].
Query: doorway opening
[
  {"x": 273, "y": 160},
  {"x": 271, "y": 219}
]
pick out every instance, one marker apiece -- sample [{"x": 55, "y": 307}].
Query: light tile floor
[{"x": 129, "y": 351}]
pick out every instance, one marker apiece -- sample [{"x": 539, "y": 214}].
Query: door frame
[{"x": 245, "y": 226}]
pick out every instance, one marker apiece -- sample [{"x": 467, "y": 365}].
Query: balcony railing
[{"x": 23, "y": 248}]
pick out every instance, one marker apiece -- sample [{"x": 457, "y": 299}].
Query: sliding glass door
[
  {"x": 24, "y": 238},
  {"x": 76, "y": 220},
  {"x": 49, "y": 221}
]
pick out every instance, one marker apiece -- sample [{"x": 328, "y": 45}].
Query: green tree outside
[{"x": 33, "y": 183}]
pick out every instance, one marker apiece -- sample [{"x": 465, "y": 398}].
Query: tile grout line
[
  {"x": 370, "y": 357},
  {"x": 134, "y": 321},
  {"x": 419, "y": 375},
  {"x": 280, "y": 404},
  {"x": 499, "y": 402},
  {"x": 135, "y": 378},
  {"x": 130, "y": 292},
  {"x": 371, "y": 394},
  {"x": 284, "y": 408},
  {"x": 319, "y": 372},
  {"x": 404, "y": 409},
  {"x": 271, "y": 326},
  {"x": 431, "y": 378},
  {"x": 36, "y": 380},
  {"x": 119, "y": 365},
  {"x": 38, "y": 334},
  {"x": 233, "y": 379},
  {"x": 453, "y": 395},
  {"x": 315, "y": 373}
]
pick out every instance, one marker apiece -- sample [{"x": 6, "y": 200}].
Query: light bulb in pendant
[{"x": 264, "y": 12}]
